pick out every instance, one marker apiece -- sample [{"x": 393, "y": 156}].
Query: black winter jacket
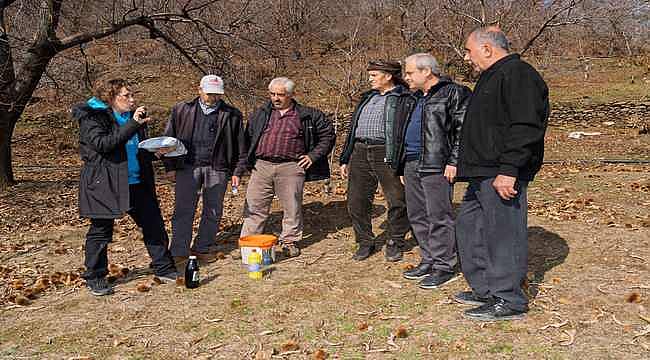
[
  {"x": 318, "y": 137},
  {"x": 389, "y": 120},
  {"x": 442, "y": 121},
  {"x": 505, "y": 123},
  {"x": 104, "y": 180},
  {"x": 229, "y": 148}
]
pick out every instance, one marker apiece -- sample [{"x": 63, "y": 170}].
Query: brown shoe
[
  {"x": 180, "y": 262},
  {"x": 205, "y": 258},
  {"x": 290, "y": 250}
]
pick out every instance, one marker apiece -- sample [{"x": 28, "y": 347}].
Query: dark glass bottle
[{"x": 192, "y": 273}]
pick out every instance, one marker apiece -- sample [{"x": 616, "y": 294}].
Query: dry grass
[{"x": 588, "y": 277}]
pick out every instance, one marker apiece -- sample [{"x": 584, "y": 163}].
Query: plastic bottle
[
  {"x": 266, "y": 257},
  {"x": 255, "y": 265},
  {"x": 192, "y": 273}
]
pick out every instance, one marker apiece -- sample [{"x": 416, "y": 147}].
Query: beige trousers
[{"x": 286, "y": 180}]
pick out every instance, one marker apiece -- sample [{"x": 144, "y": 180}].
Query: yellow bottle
[{"x": 255, "y": 265}]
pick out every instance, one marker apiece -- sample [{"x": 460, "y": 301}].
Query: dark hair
[{"x": 107, "y": 90}]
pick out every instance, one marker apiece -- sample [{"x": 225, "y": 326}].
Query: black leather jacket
[{"x": 442, "y": 120}]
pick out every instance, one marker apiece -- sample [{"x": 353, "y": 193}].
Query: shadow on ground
[
  {"x": 319, "y": 219},
  {"x": 546, "y": 250}
]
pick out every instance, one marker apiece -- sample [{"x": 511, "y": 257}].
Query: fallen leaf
[
  {"x": 362, "y": 326},
  {"x": 143, "y": 287},
  {"x": 401, "y": 332},
  {"x": 289, "y": 346},
  {"x": 407, "y": 267},
  {"x": 21, "y": 300},
  {"x": 634, "y": 297},
  {"x": 319, "y": 354},
  {"x": 17, "y": 284}
]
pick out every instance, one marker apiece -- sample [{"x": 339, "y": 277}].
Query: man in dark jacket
[
  {"x": 427, "y": 137},
  {"x": 213, "y": 133},
  {"x": 366, "y": 157},
  {"x": 502, "y": 148},
  {"x": 117, "y": 178},
  {"x": 289, "y": 144}
]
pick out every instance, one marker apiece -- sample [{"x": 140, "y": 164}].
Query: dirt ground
[{"x": 589, "y": 273}]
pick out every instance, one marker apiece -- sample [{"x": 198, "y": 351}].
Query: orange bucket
[{"x": 259, "y": 242}]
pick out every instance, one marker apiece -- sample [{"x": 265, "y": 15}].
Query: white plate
[{"x": 164, "y": 142}]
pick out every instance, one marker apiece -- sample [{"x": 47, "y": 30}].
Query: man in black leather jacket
[{"x": 427, "y": 136}]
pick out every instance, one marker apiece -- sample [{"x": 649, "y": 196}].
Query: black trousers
[
  {"x": 367, "y": 169},
  {"x": 428, "y": 201},
  {"x": 492, "y": 238},
  {"x": 146, "y": 214}
]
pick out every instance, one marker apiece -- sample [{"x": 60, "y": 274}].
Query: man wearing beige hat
[{"x": 213, "y": 133}]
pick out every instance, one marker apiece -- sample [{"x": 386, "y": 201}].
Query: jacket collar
[
  {"x": 268, "y": 106},
  {"x": 432, "y": 90},
  {"x": 502, "y": 61},
  {"x": 397, "y": 90}
]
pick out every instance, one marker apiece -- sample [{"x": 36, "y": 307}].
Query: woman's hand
[{"x": 140, "y": 115}]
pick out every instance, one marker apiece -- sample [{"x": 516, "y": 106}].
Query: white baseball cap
[{"x": 212, "y": 84}]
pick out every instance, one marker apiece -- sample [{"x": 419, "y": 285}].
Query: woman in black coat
[{"x": 117, "y": 178}]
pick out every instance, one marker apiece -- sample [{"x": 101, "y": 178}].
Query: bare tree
[{"x": 33, "y": 33}]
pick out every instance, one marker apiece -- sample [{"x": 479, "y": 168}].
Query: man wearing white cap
[{"x": 213, "y": 133}]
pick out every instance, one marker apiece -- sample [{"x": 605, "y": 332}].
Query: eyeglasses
[
  {"x": 277, "y": 94},
  {"x": 126, "y": 96}
]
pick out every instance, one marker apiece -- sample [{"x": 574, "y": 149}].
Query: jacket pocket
[
  {"x": 91, "y": 176},
  {"x": 100, "y": 194}
]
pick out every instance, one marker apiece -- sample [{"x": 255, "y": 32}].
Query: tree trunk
[{"x": 7, "y": 125}]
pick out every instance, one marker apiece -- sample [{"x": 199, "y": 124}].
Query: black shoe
[
  {"x": 393, "y": 252},
  {"x": 494, "y": 310},
  {"x": 418, "y": 272},
  {"x": 437, "y": 278},
  {"x": 363, "y": 252},
  {"x": 469, "y": 298},
  {"x": 99, "y": 287}
]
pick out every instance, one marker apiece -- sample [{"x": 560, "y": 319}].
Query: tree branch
[
  {"x": 82, "y": 38},
  {"x": 550, "y": 23},
  {"x": 460, "y": 13},
  {"x": 155, "y": 32}
]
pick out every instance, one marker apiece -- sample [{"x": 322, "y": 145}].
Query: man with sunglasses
[{"x": 289, "y": 144}]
